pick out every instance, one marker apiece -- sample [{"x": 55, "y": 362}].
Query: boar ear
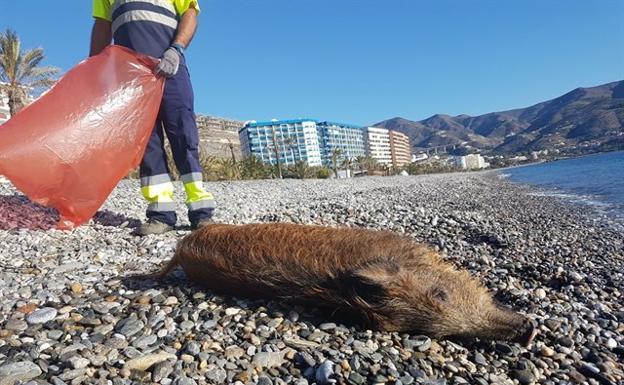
[{"x": 371, "y": 281}]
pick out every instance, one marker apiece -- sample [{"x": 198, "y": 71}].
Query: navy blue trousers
[{"x": 176, "y": 120}]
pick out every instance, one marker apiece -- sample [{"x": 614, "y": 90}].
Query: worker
[{"x": 162, "y": 29}]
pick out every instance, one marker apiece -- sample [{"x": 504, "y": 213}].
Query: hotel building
[
  {"x": 316, "y": 141},
  {"x": 400, "y": 149},
  {"x": 388, "y": 147},
  {"x": 294, "y": 140},
  {"x": 378, "y": 143},
  {"x": 289, "y": 140},
  {"x": 471, "y": 162},
  {"x": 346, "y": 138}
]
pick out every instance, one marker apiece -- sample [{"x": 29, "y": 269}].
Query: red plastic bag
[{"x": 70, "y": 148}]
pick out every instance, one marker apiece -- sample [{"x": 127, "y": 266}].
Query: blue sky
[{"x": 363, "y": 61}]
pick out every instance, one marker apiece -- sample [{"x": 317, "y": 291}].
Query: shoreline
[
  {"x": 603, "y": 209},
  {"x": 538, "y": 255}
]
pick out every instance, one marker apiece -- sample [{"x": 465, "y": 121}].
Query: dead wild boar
[{"x": 382, "y": 279}]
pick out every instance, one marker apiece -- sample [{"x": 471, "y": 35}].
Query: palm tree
[
  {"x": 359, "y": 162},
  {"x": 277, "y": 153},
  {"x": 335, "y": 154},
  {"x": 20, "y": 71},
  {"x": 347, "y": 163},
  {"x": 367, "y": 163},
  {"x": 226, "y": 169},
  {"x": 301, "y": 169},
  {"x": 291, "y": 144},
  {"x": 230, "y": 146},
  {"x": 251, "y": 167}
]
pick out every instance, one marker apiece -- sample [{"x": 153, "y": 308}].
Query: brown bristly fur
[{"x": 386, "y": 280}]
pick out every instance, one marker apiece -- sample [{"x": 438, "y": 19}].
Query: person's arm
[
  {"x": 170, "y": 62},
  {"x": 101, "y": 36},
  {"x": 186, "y": 28}
]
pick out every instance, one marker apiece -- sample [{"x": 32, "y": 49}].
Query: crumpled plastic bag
[{"x": 70, "y": 148}]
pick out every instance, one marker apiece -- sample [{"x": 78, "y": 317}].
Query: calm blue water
[{"x": 597, "y": 179}]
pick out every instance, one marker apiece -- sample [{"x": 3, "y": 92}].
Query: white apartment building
[
  {"x": 290, "y": 140},
  {"x": 400, "y": 149},
  {"x": 378, "y": 140},
  {"x": 472, "y": 162},
  {"x": 388, "y": 146}
]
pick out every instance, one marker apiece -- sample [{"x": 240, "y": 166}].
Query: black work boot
[{"x": 153, "y": 226}]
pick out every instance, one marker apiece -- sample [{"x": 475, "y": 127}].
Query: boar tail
[{"x": 172, "y": 264}]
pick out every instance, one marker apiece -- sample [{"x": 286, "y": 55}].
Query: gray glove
[{"x": 169, "y": 63}]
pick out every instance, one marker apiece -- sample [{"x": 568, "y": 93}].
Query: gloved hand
[{"x": 169, "y": 63}]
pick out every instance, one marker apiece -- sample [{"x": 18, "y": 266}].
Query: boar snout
[
  {"x": 526, "y": 333},
  {"x": 511, "y": 326}
]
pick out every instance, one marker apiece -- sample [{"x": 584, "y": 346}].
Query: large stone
[
  {"x": 184, "y": 381},
  {"x": 419, "y": 343},
  {"x": 356, "y": 378},
  {"x": 16, "y": 325},
  {"x": 68, "y": 267},
  {"x": 144, "y": 341},
  {"x": 18, "y": 371},
  {"x": 42, "y": 316},
  {"x": 147, "y": 361},
  {"x": 264, "y": 380},
  {"x": 78, "y": 362},
  {"x": 524, "y": 377},
  {"x": 161, "y": 370},
  {"x": 130, "y": 327},
  {"x": 300, "y": 344},
  {"x": 234, "y": 352},
  {"x": 268, "y": 359},
  {"x": 216, "y": 375}
]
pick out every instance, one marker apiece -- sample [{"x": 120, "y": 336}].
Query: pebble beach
[{"x": 72, "y": 310}]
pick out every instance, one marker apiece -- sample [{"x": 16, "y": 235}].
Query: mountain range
[{"x": 585, "y": 117}]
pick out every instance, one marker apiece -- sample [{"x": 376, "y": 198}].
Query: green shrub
[
  {"x": 251, "y": 167},
  {"x": 323, "y": 172}
]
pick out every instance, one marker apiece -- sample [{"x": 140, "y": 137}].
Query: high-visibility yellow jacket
[
  {"x": 146, "y": 26},
  {"x": 102, "y": 8}
]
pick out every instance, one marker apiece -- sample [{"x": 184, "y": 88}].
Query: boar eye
[{"x": 440, "y": 294}]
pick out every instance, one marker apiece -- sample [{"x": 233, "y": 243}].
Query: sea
[{"x": 596, "y": 180}]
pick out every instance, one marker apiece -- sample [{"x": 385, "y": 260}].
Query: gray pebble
[
  {"x": 524, "y": 377},
  {"x": 131, "y": 326},
  {"x": 41, "y": 316},
  {"x": 16, "y": 325},
  {"x": 324, "y": 373},
  {"x": 216, "y": 375},
  {"x": 264, "y": 380}
]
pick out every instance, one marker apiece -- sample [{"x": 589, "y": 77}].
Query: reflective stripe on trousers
[
  {"x": 158, "y": 190},
  {"x": 196, "y": 196}
]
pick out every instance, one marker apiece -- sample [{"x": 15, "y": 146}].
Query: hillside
[{"x": 584, "y": 117}]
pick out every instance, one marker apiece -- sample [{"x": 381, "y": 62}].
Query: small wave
[
  {"x": 588, "y": 200},
  {"x": 504, "y": 176},
  {"x": 594, "y": 181}
]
